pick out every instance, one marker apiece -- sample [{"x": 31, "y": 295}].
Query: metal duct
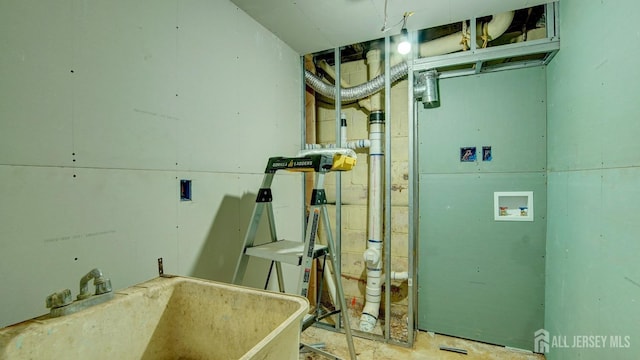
[
  {"x": 397, "y": 72},
  {"x": 426, "y": 89}
]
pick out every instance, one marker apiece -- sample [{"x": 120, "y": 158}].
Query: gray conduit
[{"x": 357, "y": 92}]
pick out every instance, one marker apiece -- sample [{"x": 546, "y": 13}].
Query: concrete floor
[{"x": 426, "y": 346}]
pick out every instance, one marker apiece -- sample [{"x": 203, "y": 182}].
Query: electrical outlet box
[
  {"x": 513, "y": 205},
  {"x": 185, "y": 190}
]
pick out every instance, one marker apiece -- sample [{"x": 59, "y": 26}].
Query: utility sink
[{"x": 167, "y": 318}]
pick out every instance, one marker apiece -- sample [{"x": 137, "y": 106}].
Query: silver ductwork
[{"x": 397, "y": 72}]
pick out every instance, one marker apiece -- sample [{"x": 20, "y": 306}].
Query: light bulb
[{"x": 404, "y": 47}]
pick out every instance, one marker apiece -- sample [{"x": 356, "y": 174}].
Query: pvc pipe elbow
[
  {"x": 367, "y": 322},
  {"x": 371, "y": 256}
]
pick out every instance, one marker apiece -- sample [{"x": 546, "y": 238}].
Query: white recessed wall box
[{"x": 513, "y": 205}]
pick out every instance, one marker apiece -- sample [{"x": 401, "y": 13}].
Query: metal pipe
[
  {"x": 387, "y": 191},
  {"x": 337, "y": 265}
]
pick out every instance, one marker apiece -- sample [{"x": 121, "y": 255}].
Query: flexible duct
[
  {"x": 357, "y": 92},
  {"x": 444, "y": 45}
]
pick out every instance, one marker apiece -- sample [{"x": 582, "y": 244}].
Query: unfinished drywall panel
[
  {"x": 229, "y": 85},
  {"x": 65, "y": 222},
  {"x": 35, "y": 108},
  {"x": 592, "y": 271},
  {"x": 116, "y": 117},
  {"x": 591, "y": 260},
  {"x": 594, "y": 124},
  {"x": 463, "y": 252},
  {"x": 124, "y": 84},
  {"x": 501, "y": 110}
]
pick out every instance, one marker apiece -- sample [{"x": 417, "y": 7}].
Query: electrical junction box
[{"x": 185, "y": 190}]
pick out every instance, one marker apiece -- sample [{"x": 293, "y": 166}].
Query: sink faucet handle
[
  {"x": 59, "y": 299},
  {"x": 103, "y": 285}
]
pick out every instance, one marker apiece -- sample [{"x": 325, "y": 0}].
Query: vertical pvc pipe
[
  {"x": 343, "y": 131},
  {"x": 387, "y": 188},
  {"x": 373, "y": 254}
]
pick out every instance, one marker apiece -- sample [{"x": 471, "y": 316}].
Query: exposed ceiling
[{"x": 310, "y": 26}]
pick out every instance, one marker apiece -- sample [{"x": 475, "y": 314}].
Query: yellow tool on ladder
[{"x": 295, "y": 252}]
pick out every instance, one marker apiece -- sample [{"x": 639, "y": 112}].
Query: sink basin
[{"x": 167, "y": 318}]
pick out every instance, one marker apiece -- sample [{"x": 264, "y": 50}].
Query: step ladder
[{"x": 298, "y": 253}]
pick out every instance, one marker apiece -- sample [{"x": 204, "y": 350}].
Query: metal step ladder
[{"x": 296, "y": 253}]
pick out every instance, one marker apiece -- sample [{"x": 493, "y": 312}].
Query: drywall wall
[
  {"x": 104, "y": 107},
  {"x": 479, "y": 278},
  {"x": 593, "y": 272}
]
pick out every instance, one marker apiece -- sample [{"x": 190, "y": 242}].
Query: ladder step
[
  {"x": 307, "y": 321},
  {"x": 286, "y": 251}
]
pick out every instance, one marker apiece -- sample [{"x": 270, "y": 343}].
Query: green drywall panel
[
  {"x": 593, "y": 274},
  {"x": 593, "y": 106},
  {"x": 479, "y": 278},
  {"x": 505, "y": 110}
]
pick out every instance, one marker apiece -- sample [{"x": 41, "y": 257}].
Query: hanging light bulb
[{"x": 404, "y": 47}]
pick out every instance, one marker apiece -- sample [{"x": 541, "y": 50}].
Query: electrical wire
[
  {"x": 403, "y": 21},
  {"x": 384, "y": 25}
]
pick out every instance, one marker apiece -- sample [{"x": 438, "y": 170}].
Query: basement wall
[
  {"x": 104, "y": 107},
  {"x": 593, "y": 272}
]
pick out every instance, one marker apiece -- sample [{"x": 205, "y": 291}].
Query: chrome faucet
[
  {"x": 102, "y": 284},
  {"x": 61, "y": 303}
]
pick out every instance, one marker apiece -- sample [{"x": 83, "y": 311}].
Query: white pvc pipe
[
  {"x": 399, "y": 275},
  {"x": 373, "y": 254},
  {"x": 343, "y": 130},
  {"x": 452, "y": 43}
]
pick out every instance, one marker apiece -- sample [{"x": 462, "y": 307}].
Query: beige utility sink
[{"x": 167, "y": 318}]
